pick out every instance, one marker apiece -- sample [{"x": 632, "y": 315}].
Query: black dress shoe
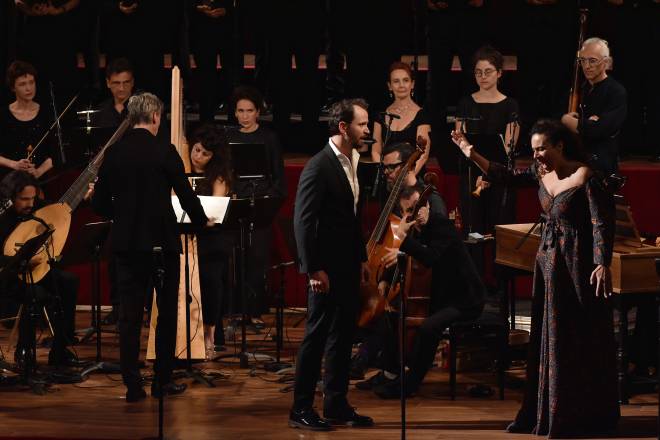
[
  {"x": 169, "y": 389},
  {"x": 307, "y": 419},
  {"x": 372, "y": 382},
  {"x": 135, "y": 394},
  {"x": 347, "y": 417}
]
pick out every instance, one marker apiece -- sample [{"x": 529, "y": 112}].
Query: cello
[{"x": 373, "y": 304}]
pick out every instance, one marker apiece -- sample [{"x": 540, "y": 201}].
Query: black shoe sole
[
  {"x": 339, "y": 422},
  {"x": 298, "y": 425}
]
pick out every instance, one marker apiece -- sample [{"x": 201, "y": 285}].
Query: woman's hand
[
  {"x": 603, "y": 279},
  {"x": 462, "y": 142}
]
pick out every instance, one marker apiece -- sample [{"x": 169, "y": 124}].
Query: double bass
[{"x": 373, "y": 304}]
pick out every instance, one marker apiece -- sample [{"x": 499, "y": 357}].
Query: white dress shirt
[{"x": 350, "y": 168}]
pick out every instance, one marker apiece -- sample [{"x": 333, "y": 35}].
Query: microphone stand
[
  {"x": 402, "y": 260},
  {"x": 381, "y": 168}
]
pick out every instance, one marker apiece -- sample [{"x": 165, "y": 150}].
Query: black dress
[
  {"x": 571, "y": 369},
  {"x": 409, "y": 133},
  {"x": 18, "y": 135},
  {"x": 484, "y": 123}
]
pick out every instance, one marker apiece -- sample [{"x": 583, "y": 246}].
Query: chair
[{"x": 486, "y": 327}]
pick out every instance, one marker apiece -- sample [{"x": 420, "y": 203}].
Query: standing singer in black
[
  {"x": 134, "y": 190},
  {"x": 333, "y": 255}
]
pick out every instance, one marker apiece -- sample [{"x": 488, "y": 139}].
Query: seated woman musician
[
  {"x": 23, "y": 123},
  {"x": 209, "y": 156}
]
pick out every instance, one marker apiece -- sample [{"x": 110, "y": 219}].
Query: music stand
[
  {"x": 20, "y": 264},
  {"x": 186, "y": 229},
  {"x": 244, "y": 215},
  {"x": 94, "y": 240}
]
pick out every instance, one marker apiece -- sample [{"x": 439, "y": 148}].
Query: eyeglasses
[
  {"x": 391, "y": 167},
  {"x": 590, "y": 61},
  {"x": 488, "y": 72}
]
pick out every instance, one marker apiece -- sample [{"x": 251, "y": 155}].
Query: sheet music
[{"x": 215, "y": 207}]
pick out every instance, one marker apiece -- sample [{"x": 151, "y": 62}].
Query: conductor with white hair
[{"x": 603, "y": 107}]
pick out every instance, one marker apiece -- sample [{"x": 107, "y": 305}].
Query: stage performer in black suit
[
  {"x": 333, "y": 255},
  {"x": 134, "y": 190}
]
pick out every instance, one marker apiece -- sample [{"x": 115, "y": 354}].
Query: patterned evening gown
[{"x": 571, "y": 370}]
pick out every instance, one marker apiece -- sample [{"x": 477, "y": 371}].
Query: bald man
[{"x": 602, "y": 109}]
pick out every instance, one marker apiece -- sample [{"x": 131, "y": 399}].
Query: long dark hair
[
  {"x": 556, "y": 133},
  {"x": 213, "y": 139}
]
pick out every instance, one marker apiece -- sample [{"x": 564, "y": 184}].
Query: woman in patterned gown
[{"x": 571, "y": 369}]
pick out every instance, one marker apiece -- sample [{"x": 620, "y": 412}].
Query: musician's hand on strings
[
  {"x": 404, "y": 228},
  {"x": 383, "y": 286},
  {"x": 423, "y": 215},
  {"x": 90, "y": 192},
  {"x": 365, "y": 272},
  {"x": 319, "y": 282},
  {"x": 210, "y": 222},
  {"x": 603, "y": 279},
  {"x": 461, "y": 141},
  {"x": 389, "y": 259},
  {"x": 594, "y": 118}
]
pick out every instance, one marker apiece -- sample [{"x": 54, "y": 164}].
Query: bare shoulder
[{"x": 582, "y": 173}]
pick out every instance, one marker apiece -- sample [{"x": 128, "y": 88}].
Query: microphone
[
  {"x": 391, "y": 115},
  {"x": 368, "y": 141}
]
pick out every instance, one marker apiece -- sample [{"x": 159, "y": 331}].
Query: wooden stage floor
[{"x": 252, "y": 404}]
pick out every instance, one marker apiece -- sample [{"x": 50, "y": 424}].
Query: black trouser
[
  {"x": 331, "y": 321},
  {"x": 135, "y": 278},
  {"x": 376, "y": 339},
  {"x": 428, "y": 337},
  {"x": 57, "y": 292}
]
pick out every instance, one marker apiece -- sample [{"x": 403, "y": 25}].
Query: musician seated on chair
[
  {"x": 457, "y": 291},
  {"x": 23, "y": 123},
  {"x": 56, "y": 292},
  {"x": 395, "y": 155}
]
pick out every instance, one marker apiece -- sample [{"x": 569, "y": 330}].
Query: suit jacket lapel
[{"x": 339, "y": 172}]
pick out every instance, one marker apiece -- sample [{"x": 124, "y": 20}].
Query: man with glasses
[
  {"x": 395, "y": 157},
  {"x": 603, "y": 107}
]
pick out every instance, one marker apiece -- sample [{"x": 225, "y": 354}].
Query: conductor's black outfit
[
  {"x": 329, "y": 238},
  {"x": 134, "y": 189}
]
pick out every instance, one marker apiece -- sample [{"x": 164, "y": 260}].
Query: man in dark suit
[
  {"x": 134, "y": 189},
  {"x": 333, "y": 255}
]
